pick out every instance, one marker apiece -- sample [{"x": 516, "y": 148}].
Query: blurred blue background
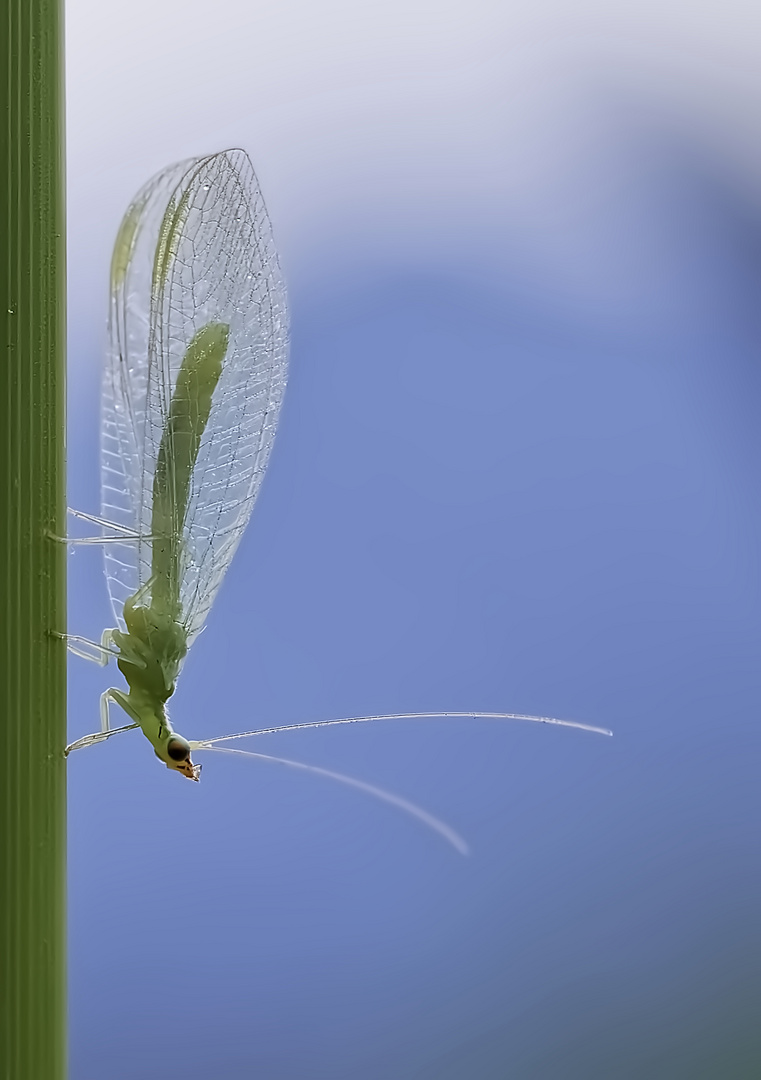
[{"x": 517, "y": 469}]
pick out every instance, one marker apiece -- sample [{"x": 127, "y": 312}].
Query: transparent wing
[
  {"x": 194, "y": 247},
  {"x": 125, "y": 378}
]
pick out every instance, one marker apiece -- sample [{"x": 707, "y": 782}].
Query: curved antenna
[
  {"x": 410, "y": 808},
  {"x": 207, "y": 743}
]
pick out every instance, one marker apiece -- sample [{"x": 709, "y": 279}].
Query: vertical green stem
[{"x": 32, "y": 566}]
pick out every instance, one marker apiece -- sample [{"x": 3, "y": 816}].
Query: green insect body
[
  {"x": 193, "y": 384},
  {"x": 181, "y": 439},
  {"x": 155, "y": 644},
  {"x": 151, "y": 653}
]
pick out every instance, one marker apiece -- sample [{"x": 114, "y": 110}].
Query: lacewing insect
[{"x": 194, "y": 380}]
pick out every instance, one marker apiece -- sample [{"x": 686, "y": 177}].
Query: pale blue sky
[{"x": 517, "y": 469}]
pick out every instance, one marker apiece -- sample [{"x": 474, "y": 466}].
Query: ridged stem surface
[{"x": 32, "y": 565}]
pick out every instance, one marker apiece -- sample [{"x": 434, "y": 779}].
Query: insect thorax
[{"x": 151, "y": 652}]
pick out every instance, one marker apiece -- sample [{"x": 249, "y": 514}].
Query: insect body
[
  {"x": 153, "y": 647},
  {"x": 194, "y": 380}
]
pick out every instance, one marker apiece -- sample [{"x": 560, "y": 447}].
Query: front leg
[
  {"x": 119, "y": 698},
  {"x": 106, "y": 731},
  {"x": 96, "y": 737}
]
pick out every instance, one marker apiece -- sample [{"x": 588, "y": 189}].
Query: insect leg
[
  {"x": 119, "y": 698},
  {"x": 126, "y": 538},
  {"x": 96, "y": 737},
  {"x": 101, "y": 521},
  {"x": 106, "y": 731},
  {"x": 124, "y": 535},
  {"x": 105, "y": 719},
  {"x": 103, "y": 652}
]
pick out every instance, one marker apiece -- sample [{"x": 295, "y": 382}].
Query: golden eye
[{"x": 177, "y": 748}]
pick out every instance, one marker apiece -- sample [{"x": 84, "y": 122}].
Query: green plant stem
[{"x": 32, "y": 565}]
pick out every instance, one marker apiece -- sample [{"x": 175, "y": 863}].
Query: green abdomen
[{"x": 180, "y": 442}]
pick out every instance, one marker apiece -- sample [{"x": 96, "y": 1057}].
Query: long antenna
[
  {"x": 408, "y": 807},
  {"x": 205, "y": 743}
]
